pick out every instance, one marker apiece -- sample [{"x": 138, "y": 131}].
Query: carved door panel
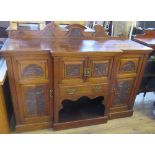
[
  {"x": 128, "y": 66},
  {"x": 72, "y": 70},
  {"x": 34, "y": 102},
  {"x": 100, "y": 68},
  {"x": 122, "y": 91},
  {"x": 32, "y": 70}
]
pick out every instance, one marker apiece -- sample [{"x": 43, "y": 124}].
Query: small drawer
[
  {"x": 74, "y": 91},
  {"x": 83, "y": 90},
  {"x": 99, "y": 88}
]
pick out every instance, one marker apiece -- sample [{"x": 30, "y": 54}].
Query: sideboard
[{"x": 74, "y": 78}]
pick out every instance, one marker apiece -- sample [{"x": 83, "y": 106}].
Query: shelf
[{"x": 83, "y": 108}]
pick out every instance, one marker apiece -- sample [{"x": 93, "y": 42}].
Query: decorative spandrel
[
  {"x": 128, "y": 67},
  {"x": 32, "y": 70},
  {"x": 100, "y": 69},
  {"x": 123, "y": 89},
  {"x": 35, "y": 100},
  {"x": 73, "y": 70}
]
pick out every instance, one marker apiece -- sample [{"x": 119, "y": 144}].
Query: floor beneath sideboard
[{"x": 142, "y": 121}]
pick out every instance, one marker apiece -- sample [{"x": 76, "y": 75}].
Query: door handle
[{"x": 87, "y": 72}]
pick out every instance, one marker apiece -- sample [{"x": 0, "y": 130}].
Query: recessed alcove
[{"x": 83, "y": 108}]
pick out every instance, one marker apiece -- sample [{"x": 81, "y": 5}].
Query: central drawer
[{"x": 81, "y": 90}]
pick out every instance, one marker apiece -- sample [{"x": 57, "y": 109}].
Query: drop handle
[
  {"x": 71, "y": 91},
  {"x": 97, "y": 88},
  {"x": 87, "y": 72}
]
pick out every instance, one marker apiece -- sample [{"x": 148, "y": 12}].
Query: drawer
[{"x": 81, "y": 90}]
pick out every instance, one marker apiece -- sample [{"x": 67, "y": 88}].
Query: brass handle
[
  {"x": 71, "y": 91},
  {"x": 87, "y": 71},
  {"x": 97, "y": 88}
]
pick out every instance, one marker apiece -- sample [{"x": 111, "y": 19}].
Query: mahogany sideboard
[
  {"x": 148, "y": 80},
  {"x": 70, "y": 79}
]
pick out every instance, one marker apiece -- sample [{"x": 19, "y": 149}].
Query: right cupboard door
[{"x": 125, "y": 85}]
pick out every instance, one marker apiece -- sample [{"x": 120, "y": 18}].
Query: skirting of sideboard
[
  {"x": 80, "y": 123},
  {"x": 35, "y": 126},
  {"x": 121, "y": 114}
]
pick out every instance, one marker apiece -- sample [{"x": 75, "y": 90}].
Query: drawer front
[
  {"x": 71, "y": 70},
  {"x": 100, "y": 69},
  {"x": 82, "y": 90}
]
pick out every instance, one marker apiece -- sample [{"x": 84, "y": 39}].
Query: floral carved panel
[
  {"x": 72, "y": 70},
  {"x": 35, "y": 100},
  {"x": 32, "y": 70},
  {"x": 128, "y": 67},
  {"x": 123, "y": 89},
  {"x": 100, "y": 69}
]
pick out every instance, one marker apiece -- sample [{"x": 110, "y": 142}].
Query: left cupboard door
[{"x": 33, "y": 78}]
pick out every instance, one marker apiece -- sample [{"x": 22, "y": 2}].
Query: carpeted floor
[{"x": 143, "y": 121}]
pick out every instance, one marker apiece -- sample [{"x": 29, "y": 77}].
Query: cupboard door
[
  {"x": 72, "y": 70},
  {"x": 122, "y": 91},
  {"x": 33, "y": 78},
  {"x": 100, "y": 69}
]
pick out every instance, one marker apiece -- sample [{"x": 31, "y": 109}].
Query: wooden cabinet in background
[{"x": 4, "y": 119}]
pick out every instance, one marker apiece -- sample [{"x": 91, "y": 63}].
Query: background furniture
[
  {"x": 30, "y": 25},
  {"x": 65, "y": 79},
  {"x": 148, "y": 80},
  {"x": 4, "y": 120}
]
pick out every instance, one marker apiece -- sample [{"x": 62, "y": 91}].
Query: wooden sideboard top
[
  {"x": 75, "y": 40},
  {"x": 13, "y": 45}
]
